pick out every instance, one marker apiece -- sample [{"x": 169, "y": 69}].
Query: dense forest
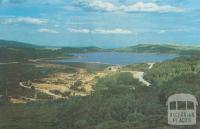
[{"x": 168, "y": 70}]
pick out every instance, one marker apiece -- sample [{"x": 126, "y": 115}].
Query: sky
[{"x": 102, "y": 23}]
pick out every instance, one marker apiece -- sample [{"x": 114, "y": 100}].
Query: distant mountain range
[
  {"x": 141, "y": 48},
  {"x": 160, "y": 48}
]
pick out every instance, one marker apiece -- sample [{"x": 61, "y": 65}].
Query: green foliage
[
  {"x": 15, "y": 44},
  {"x": 90, "y": 67},
  {"x": 106, "y": 125},
  {"x": 118, "y": 83},
  {"x": 160, "y": 48},
  {"x": 186, "y": 83},
  {"x": 81, "y": 49},
  {"x": 119, "y": 109},
  {"x": 133, "y": 117},
  {"x": 23, "y": 54},
  {"x": 165, "y": 71},
  {"x": 81, "y": 124},
  {"x": 136, "y": 67}
]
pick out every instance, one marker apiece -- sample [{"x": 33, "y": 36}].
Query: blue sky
[{"x": 103, "y": 23}]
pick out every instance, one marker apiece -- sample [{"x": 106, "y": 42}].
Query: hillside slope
[
  {"x": 161, "y": 48},
  {"x": 15, "y": 44}
]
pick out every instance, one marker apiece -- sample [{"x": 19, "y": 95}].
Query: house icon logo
[{"x": 182, "y": 109}]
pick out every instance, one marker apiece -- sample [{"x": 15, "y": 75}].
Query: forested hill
[
  {"x": 15, "y": 44},
  {"x": 161, "y": 48},
  {"x": 19, "y": 51},
  {"x": 11, "y": 51},
  {"x": 82, "y": 49}
]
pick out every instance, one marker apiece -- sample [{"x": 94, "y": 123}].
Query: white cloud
[
  {"x": 174, "y": 30},
  {"x": 25, "y": 20},
  {"x": 73, "y": 30},
  {"x": 150, "y": 7},
  {"x": 112, "y": 31},
  {"x": 45, "y": 30},
  {"x": 99, "y": 5},
  {"x": 101, "y": 31}
]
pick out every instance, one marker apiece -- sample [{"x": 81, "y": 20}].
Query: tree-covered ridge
[
  {"x": 24, "y": 54},
  {"x": 17, "y": 51},
  {"x": 81, "y": 49},
  {"x": 16, "y": 44},
  {"x": 161, "y": 48},
  {"x": 168, "y": 70}
]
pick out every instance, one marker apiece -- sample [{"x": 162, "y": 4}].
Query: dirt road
[{"x": 42, "y": 91}]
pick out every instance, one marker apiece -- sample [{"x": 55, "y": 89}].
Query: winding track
[
  {"x": 151, "y": 65},
  {"x": 43, "y": 91},
  {"x": 140, "y": 75}
]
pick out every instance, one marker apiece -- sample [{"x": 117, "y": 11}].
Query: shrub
[
  {"x": 133, "y": 117},
  {"x": 106, "y": 124},
  {"x": 81, "y": 124},
  {"x": 66, "y": 93},
  {"x": 76, "y": 85}
]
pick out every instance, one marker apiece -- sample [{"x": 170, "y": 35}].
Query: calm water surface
[{"x": 118, "y": 58}]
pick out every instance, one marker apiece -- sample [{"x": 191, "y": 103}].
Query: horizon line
[{"x": 98, "y": 46}]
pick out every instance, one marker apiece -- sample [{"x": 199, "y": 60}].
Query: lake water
[{"x": 118, "y": 58}]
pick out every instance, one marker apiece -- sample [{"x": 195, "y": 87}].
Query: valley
[{"x": 37, "y": 92}]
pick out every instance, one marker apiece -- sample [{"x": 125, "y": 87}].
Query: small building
[{"x": 182, "y": 109}]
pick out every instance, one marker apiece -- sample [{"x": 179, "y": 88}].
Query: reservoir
[{"x": 118, "y": 58}]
